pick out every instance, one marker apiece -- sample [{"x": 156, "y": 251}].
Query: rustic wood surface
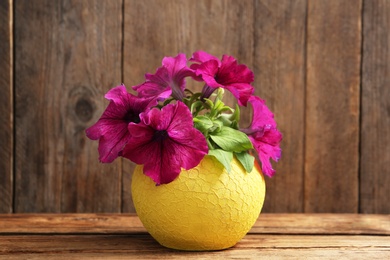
[
  {"x": 375, "y": 129},
  {"x": 321, "y": 66},
  {"x": 142, "y": 246},
  {"x": 113, "y": 236},
  {"x": 267, "y": 223},
  {"x": 279, "y": 67},
  {"x": 6, "y": 107},
  {"x": 332, "y": 106},
  {"x": 66, "y": 57}
]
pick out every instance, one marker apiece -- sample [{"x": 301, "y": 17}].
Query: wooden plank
[
  {"x": 279, "y": 62},
  {"x": 375, "y": 125},
  {"x": 184, "y": 26},
  {"x": 70, "y": 223},
  {"x": 143, "y": 246},
  {"x": 67, "y": 56},
  {"x": 169, "y": 27},
  {"x": 360, "y": 253},
  {"x": 313, "y": 253},
  {"x": 341, "y": 224},
  {"x": 323, "y": 223},
  {"x": 332, "y": 106},
  {"x": 6, "y": 107}
]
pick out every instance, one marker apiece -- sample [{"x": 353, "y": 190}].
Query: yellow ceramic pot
[{"x": 205, "y": 208}]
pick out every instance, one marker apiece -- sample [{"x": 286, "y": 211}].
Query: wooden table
[{"x": 120, "y": 236}]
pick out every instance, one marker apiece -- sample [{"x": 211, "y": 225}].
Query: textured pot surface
[{"x": 205, "y": 208}]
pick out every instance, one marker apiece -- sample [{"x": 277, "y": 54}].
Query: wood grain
[
  {"x": 117, "y": 236},
  {"x": 279, "y": 62},
  {"x": 332, "y": 106},
  {"x": 144, "y": 247},
  {"x": 375, "y": 124},
  {"x": 298, "y": 224},
  {"x": 70, "y": 223},
  {"x": 323, "y": 223},
  {"x": 6, "y": 107},
  {"x": 169, "y": 27},
  {"x": 67, "y": 55},
  {"x": 306, "y": 56}
]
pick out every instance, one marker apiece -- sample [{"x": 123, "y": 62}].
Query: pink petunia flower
[
  {"x": 111, "y": 129},
  {"x": 236, "y": 78},
  {"x": 169, "y": 80},
  {"x": 165, "y": 141},
  {"x": 264, "y": 135}
]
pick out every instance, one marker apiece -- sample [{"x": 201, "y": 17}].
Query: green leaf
[
  {"x": 203, "y": 123},
  {"x": 231, "y": 140},
  {"x": 246, "y": 160},
  {"x": 225, "y": 158},
  {"x": 218, "y": 105},
  {"x": 235, "y": 117},
  {"x": 226, "y": 109},
  {"x": 225, "y": 119},
  {"x": 209, "y": 103},
  {"x": 218, "y": 124},
  {"x": 196, "y": 106}
]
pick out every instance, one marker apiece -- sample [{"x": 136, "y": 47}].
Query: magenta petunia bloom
[
  {"x": 111, "y": 129},
  {"x": 236, "y": 78},
  {"x": 165, "y": 141},
  {"x": 202, "y": 56},
  {"x": 264, "y": 135},
  {"x": 169, "y": 80}
]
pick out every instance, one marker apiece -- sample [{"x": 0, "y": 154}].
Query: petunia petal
[
  {"x": 236, "y": 78},
  {"x": 267, "y": 148},
  {"x": 241, "y": 91},
  {"x": 190, "y": 149},
  {"x": 165, "y": 141},
  {"x": 202, "y": 56},
  {"x": 231, "y": 72},
  {"x": 169, "y": 80},
  {"x": 112, "y": 141},
  {"x": 158, "y": 159},
  {"x": 155, "y": 85},
  {"x": 264, "y": 135},
  {"x": 208, "y": 71},
  {"x": 118, "y": 95},
  {"x": 262, "y": 116},
  {"x": 177, "y": 67},
  {"x": 188, "y": 142},
  {"x": 111, "y": 129},
  {"x": 181, "y": 117}
]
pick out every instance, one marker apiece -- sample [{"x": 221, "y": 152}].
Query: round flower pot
[{"x": 205, "y": 208}]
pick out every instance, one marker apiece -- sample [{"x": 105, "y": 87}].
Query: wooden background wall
[{"x": 322, "y": 65}]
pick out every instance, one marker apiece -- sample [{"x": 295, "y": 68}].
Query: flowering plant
[{"x": 166, "y": 127}]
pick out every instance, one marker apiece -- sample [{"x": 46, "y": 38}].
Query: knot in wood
[{"x": 84, "y": 109}]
